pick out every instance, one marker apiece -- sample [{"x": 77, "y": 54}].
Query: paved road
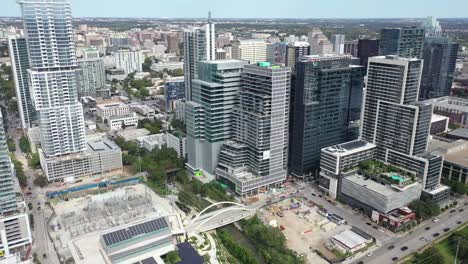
[{"x": 419, "y": 238}]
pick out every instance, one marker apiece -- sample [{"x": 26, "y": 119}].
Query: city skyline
[{"x": 189, "y": 9}]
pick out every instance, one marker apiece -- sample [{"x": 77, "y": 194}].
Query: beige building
[{"x": 251, "y": 50}]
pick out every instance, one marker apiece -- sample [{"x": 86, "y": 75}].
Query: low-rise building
[
  {"x": 133, "y": 134},
  {"x": 396, "y": 220},
  {"x": 15, "y": 235},
  {"x": 453, "y": 107},
  {"x": 340, "y": 159},
  {"x": 439, "y": 124},
  {"x": 350, "y": 241},
  {"x": 115, "y": 74},
  {"x": 127, "y": 243},
  {"x": 371, "y": 194},
  {"x": 455, "y": 153},
  {"x": 110, "y": 108},
  {"x": 101, "y": 156},
  {"x": 151, "y": 142},
  {"x": 122, "y": 122},
  {"x": 143, "y": 110},
  {"x": 177, "y": 140}
]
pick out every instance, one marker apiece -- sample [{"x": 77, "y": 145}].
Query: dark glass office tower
[
  {"x": 367, "y": 48},
  {"x": 404, "y": 42},
  {"x": 328, "y": 92},
  {"x": 440, "y": 57}
]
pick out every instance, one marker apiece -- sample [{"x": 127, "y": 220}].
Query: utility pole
[{"x": 456, "y": 254}]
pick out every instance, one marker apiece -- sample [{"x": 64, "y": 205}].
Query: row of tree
[
  {"x": 242, "y": 254},
  {"x": 270, "y": 242}
]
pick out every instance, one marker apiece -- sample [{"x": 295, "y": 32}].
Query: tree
[
  {"x": 24, "y": 145},
  {"x": 22, "y": 179},
  {"x": 41, "y": 181},
  {"x": 34, "y": 161},
  {"x": 11, "y": 145},
  {"x": 172, "y": 258},
  {"x": 431, "y": 253},
  {"x": 458, "y": 187},
  {"x": 424, "y": 209},
  {"x": 147, "y": 64}
]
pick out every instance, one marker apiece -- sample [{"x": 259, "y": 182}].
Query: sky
[{"x": 260, "y": 8}]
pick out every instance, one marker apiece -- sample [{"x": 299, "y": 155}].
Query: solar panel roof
[{"x": 134, "y": 231}]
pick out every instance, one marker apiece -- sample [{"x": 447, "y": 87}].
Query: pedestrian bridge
[{"x": 204, "y": 222}]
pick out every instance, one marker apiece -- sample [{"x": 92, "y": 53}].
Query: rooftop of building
[
  {"x": 322, "y": 57},
  {"x": 250, "y": 41},
  {"x": 103, "y": 144},
  {"x": 437, "y": 118},
  {"x": 376, "y": 187},
  {"x": 132, "y": 134},
  {"x": 392, "y": 58},
  {"x": 350, "y": 239},
  {"x": 454, "y": 151},
  {"x": 155, "y": 138},
  {"x": 349, "y": 148},
  {"x": 110, "y": 103},
  {"x": 451, "y": 102},
  {"x": 460, "y": 133},
  {"x": 178, "y": 133}
]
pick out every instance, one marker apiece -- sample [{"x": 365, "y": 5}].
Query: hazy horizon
[{"x": 260, "y": 9}]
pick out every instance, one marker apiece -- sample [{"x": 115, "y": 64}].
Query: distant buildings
[
  {"x": 367, "y": 48},
  {"x": 338, "y": 42},
  {"x": 276, "y": 52},
  {"x": 432, "y": 27},
  {"x": 405, "y": 42},
  {"x": 351, "y": 48},
  {"x": 440, "y": 58},
  {"x": 18, "y": 49},
  {"x": 209, "y": 115},
  {"x": 199, "y": 45},
  {"x": 250, "y": 50},
  {"x": 327, "y": 106},
  {"x": 129, "y": 61},
  {"x": 174, "y": 89},
  {"x": 319, "y": 43},
  {"x": 256, "y": 158},
  {"x": 92, "y": 80},
  {"x": 453, "y": 107},
  {"x": 295, "y": 51}
]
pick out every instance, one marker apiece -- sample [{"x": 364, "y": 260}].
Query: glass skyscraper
[
  {"x": 405, "y": 42},
  {"x": 327, "y": 106},
  {"x": 53, "y": 75},
  {"x": 18, "y": 49},
  {"x": 7, "y": 190}
]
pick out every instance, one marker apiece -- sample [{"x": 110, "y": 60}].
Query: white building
[
  {"x": 251, "y": 50},
  {"x": 129, "y": 61},
  {"x": 122, "y": 122},
  {"x": 101, "y": 156},
  {"x": 110, "y": 108},
  {"x": 151, "y": 142},
  {"x": 338, "y": 41},
  {"x": 177, "y": 141},
  {"x": 319, "y": 43},
  {"x": 143, "y": 110},
  {"x": 172, "y": 65},
  {"x": 92, "y": 78}
]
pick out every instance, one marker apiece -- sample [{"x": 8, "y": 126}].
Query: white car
[
  {"x": 369, "y": 254},
  {"x": 435, "y": 220}
]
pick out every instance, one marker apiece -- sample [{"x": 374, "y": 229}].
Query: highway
[{"x": 420, "y": 237}]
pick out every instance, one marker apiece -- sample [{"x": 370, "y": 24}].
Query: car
[
  {"x": 382, "y": 230},
  {"x": 459, "y": 222},
  {"x": 461, "y": 210},
  {"x": 320, "y": 195},
  {"x": 453, "y": 211},
  {"x": 421, "y": 238},
  {"x": 394, "y": 258},
  {"x": 313, "y": 194},
  {"x": 369, "y": 254},
  {"x": 369, "y": 224},
  {"x": 435, "y": 220},
  {"x": 375, "y": 227},
  {"x": 360, "y": 262},
  {"x": 391, "y": 247},
  {"x": 446, "y": 229},
  {"x": 404, "y": 248},
  {"x": 465, "y": 203},
  {"x": 427, "y": 228},
  {"x": 435, "y": 234},
  {"x": 39, "y": 208}
]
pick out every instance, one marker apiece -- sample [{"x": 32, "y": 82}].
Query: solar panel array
[
  {"x": 134, "y": 231},
  {"x": 147, "y": 261},
  {"x": 353, "y": 144}
]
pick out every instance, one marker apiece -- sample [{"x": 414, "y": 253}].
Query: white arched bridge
[{"x": 204, "y": 222}]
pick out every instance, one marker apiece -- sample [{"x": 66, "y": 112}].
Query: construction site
[
  {"x": 77, "y": 224},
  {"x": 306, "y": 226}
]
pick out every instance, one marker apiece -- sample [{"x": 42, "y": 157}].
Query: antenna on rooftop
[{"x": 209, "y": 16}]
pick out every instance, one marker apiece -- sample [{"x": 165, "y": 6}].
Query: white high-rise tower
[{"x": 53, "y": 75}]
